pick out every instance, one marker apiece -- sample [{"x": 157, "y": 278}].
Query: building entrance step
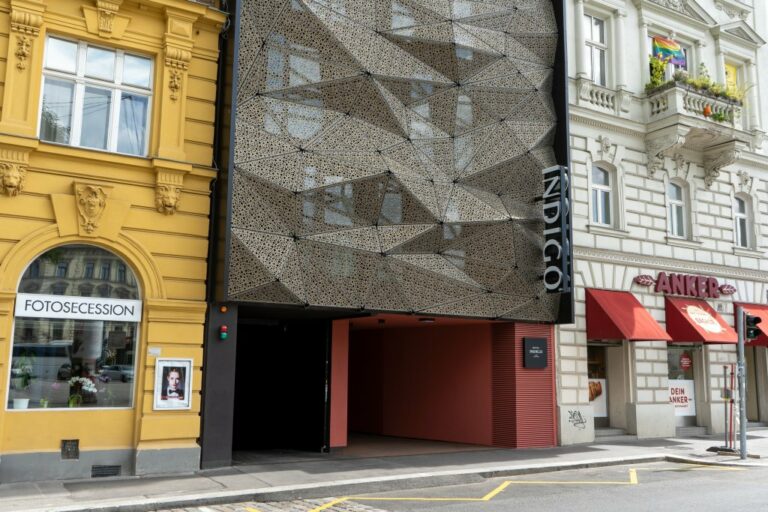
[
  {"x": 609, "y": 432},
  {"x": 691, "y": 431}
]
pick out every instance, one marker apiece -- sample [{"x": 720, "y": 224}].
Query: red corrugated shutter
[{"x": 523, "y": 399}]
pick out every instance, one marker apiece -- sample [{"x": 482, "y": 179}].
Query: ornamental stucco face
[{"x": 388, "y": 155}]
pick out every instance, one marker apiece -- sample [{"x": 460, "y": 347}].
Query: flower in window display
[{"x": 80, "y": 389}]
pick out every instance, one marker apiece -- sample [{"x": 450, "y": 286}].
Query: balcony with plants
[{"x": 699, "y": 98}]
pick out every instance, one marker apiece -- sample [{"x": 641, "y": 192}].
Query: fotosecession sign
[
  {"x": 557, "y": 230},
  {"x": 703, "y": 287},
  {"x": 77, "y": 308}
]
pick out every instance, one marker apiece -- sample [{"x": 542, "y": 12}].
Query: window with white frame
[
  {"x": 602, "y": 196},
  {"x": 677, "y": 215},
  {"x": 596, "y": 48},
  {"x": 743, "y": 221},
  {"x": 95, "y": 97}
]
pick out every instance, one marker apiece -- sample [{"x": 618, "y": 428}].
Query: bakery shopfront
[{"x": 655, "y": 354}]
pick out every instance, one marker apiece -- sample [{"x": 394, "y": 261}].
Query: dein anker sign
[
  {"x": 557, "y": 230},
  {"x": 77, "y": 308}
]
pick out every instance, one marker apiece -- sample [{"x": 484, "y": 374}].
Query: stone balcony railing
[{"x": 680, "y": 99}]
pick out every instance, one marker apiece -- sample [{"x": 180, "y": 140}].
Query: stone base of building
[
  {"x": 576, "y": 424},
  {"x": 167, "y": 461},
  {"x": 26, "y": 467},
  {"x": 651, "y": 420}
]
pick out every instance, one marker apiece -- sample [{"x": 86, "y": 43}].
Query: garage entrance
[{"x": 280, "y": 385}]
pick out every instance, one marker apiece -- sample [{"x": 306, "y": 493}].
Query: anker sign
[
  {"x": 557, "y": 230},
  {"x": 683, "y": 284}
]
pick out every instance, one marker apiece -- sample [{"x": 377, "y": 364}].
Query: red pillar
[{"x": 339, "y": 382}]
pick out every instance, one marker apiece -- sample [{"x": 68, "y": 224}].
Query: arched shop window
[{"x": 75, "y": 337}]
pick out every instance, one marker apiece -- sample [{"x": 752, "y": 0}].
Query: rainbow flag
[{"x": 670, "y": 49}]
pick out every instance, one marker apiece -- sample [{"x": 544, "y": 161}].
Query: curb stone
[{"x": 368, "y": 485}]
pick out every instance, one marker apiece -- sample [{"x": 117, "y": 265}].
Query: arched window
[
  {"x": 677, "y": 214},
  {"x": 71, "y": 349},
  {"x": 742, "y": 216},
  {"x": 602, "y": 196}
]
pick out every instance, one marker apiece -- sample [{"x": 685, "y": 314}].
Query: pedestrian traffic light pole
[
  {"x": 747, "y": 329},
  {"x": 740, "y": 372}
]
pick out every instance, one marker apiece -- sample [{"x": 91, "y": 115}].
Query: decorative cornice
[
  {"x": 613, "y": 128},
  {"x": 653, "y": 262}
]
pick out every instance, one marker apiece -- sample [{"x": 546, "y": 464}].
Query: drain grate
[{"x": 102, "y": 471}]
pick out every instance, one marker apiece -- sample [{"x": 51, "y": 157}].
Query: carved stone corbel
[
  {"x": 177, "y": 60},
  {"x": 26, "y": 27},
  {"x": 168, "y": 190},
  {"x": 744, "y": 181},
  {"x": 714, "y": 161},
  {"x": 104, "y": 19},
  {"x": 13, "y": 171},
  {"x": 656, "y": 149}
]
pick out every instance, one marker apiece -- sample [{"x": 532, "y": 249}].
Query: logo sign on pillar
[
  {"x": 703, "y": 287},
  {"x": 557, "y": 230}
]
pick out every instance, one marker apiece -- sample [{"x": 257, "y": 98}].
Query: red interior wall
[
  {"x": 523, "y": 398},
  {"x": 429, "y": 382},
  {"x": 339, "y": 382}
]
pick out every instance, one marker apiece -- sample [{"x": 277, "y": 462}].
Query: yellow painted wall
[{"x": 166, "y": 250}]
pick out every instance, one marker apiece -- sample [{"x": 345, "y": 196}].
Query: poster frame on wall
[{"x": 181, "y": 398}]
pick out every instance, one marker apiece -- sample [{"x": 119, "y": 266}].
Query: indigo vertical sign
[{"x": 557, "y": 230}]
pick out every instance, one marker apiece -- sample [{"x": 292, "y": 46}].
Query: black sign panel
[
  {"x": 534, "y": 353},
  {"x": 557, "y": 230}
]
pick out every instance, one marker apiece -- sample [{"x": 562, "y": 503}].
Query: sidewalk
[{"x": 297, "y": 475}]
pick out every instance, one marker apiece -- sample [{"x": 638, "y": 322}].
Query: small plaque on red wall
[{"x": 534, "y": 353}]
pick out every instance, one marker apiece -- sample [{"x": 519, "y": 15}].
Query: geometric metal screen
[{"x": 388, "y": 155}]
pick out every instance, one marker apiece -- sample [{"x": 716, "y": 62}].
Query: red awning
[
  {"x": 759, "y": 310},
  {"x": 613, "y": 315},
  {"x": 694, "y": 320}
]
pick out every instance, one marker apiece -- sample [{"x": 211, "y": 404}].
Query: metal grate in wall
[{"x": 104, "y": 471}]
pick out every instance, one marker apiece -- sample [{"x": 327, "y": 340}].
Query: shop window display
[{"x": 77, "y": 348}]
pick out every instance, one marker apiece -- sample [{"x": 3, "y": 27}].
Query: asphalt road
[{"x": 653, "y": 487}]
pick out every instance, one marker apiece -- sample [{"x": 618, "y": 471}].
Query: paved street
[{"x": 643, "y": 487}]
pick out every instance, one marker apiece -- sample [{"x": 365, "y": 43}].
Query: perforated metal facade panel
[{"x": 388, "y": 155}]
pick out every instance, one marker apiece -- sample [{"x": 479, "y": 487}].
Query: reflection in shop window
[
  {"x": 105, "y": 269},
  {"x": 73, "y": 362},
  {"x": 89, "y": 266}
]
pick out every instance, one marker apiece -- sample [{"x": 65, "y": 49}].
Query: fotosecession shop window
[
  {"x": 95, "y": 97},
  {"x": 74, "y": 349}
]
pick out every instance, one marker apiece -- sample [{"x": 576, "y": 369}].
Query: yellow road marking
[
  {"x": 488, "y": 497},
  {"x": 251, "y": 509},
  {"x": 329, "y": 505},
  {"x": 493, "y": 493}
]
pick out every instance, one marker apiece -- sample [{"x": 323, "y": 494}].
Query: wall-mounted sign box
[{"x": 534, "y": 353}]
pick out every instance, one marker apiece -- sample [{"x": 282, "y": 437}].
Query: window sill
[
  {"x": 83, "y": 152},
  {"x": 597, "y": 229},
  {"x": 750, "y": 253},
  {"x": 683, "y": 242}
]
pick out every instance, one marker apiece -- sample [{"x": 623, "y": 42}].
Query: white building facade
[{"x": 670, "y": 215}]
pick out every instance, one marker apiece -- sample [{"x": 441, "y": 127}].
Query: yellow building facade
[{"x": 106, "y": 147}]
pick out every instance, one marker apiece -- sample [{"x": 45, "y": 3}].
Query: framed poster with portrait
[{"x": 173, "y": 384}]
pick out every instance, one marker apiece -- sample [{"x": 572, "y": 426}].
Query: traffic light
[{"x": 752, "y": 331}]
